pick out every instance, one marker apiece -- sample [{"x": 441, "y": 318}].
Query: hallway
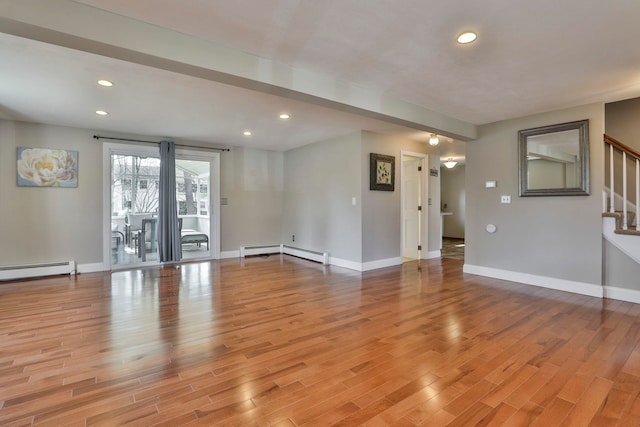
[{"x": 452, "y": 248}]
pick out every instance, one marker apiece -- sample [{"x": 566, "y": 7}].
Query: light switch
[
  {"x": 490, "y": 184},
  {"x": 505, "y": 199},
  {"x": 353, "y": 201}
]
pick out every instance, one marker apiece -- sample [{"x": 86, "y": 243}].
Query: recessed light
[
  {"x": 101, "y": 112},
  {"x": 285, "y": 116},
  {"x": 247, "y": 133},
  {"x": 105, "y": 83},
  {"x": 467, "y": 37}
]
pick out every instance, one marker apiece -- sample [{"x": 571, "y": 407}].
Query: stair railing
[{"x": 617, "y": 148}]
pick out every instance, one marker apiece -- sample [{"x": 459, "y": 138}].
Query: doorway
[
  {"x": 131, "y": 190},
  {"x": 412, "y": 197},
  {"x": 453, "y": 202},
  {"x": 134, "y": 187}
]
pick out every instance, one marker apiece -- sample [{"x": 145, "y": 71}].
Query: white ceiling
[
  {"x": 531, "y": 56},
  {"x": 51, "y": 84}
]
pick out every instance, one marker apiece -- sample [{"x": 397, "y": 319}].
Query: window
[{"x": 203, "y": 195}]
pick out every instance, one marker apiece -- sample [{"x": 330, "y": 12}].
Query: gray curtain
[{"x": 169, "y": 247}]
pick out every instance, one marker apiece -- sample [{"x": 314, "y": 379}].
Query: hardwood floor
[
  {"x": 285, "y": 342},
  {"x": 452, "y": 248}
]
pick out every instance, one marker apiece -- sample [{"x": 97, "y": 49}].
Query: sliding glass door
[
  {"x": 134, "y": 208},
  {"x": 194, "y": 213},
  {"x": 131, "y": 183}
]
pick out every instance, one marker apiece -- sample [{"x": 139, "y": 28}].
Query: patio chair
[
  {"x": 146, "y": 238},
  {"x": 133, "y": 225}
]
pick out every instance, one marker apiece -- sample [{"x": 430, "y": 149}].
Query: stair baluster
[
  {"x": 625, "y": 224},
  {"x": 637, "y": 193},
  {"x": 612, "y": 193}
]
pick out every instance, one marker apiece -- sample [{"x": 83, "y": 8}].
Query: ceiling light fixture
[
  {"x": 247, "y": 133},
  {"x": 105, "y": 83},
  {"x": 434, "y": 140},
  {"x": 101, "y": 112},
  {"x": 467, "y": 37},
  {"x": 450, "y": 163},
  {"x": 285, "y": 116}
]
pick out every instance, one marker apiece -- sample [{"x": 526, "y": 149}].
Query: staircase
[
  {"x": 620, "y": 201},
  {"x": 622, "y": 161},
  {"x": 620, "y": 211},
  {"x": 626, "y": 241}
]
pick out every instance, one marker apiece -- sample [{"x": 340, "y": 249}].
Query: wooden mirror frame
[{"x": 583, "y": 166}]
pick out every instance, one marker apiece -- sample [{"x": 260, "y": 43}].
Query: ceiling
[{"x": 530, "y": 57}]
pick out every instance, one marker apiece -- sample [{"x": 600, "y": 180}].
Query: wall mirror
[{"x": 554, "y": 160}]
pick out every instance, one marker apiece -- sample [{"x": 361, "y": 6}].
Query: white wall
[
  {"x": 50, "y": 224},
  {"x": 622, "y": 121},
  {"x": 555, "y": 237},
  {"x": 251, "y": 181},
  {"x": 381, "y": 217},
  {"x": 620, "y": 270},
  {"x": 56, "y": 224},
  {"x": 320, "y": 181}
]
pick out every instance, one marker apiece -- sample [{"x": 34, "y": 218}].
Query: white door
[{"x": 411, "y": 200}]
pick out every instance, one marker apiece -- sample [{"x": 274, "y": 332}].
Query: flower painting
[
  {"x": 383, "y": 170},
  {"x": 43, "y": 167}
]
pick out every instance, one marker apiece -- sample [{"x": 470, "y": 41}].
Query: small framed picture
[{"x": 382, "y": 172}]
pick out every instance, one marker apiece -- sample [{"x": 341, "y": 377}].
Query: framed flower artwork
[
  {"x": 44, "y": 167},
  {"x": 382, "y": 172}
]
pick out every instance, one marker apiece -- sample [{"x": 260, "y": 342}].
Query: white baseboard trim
[
  {"x": 622, "y": 294},
  {"x": 535, "y": 280},
  {"x": 23, "y": 271},
  {"x": 351, "y": 265},
  {"x": 322, "y": 258},
  {"x": 259, "y": 250},
  {"x": 92, "y": 268},
  {"x": 229, "y": 254},
  {"x": 381, "y": 263},
  {"x": 432, "y": 254},
  {"x": 366, "y": 266}
]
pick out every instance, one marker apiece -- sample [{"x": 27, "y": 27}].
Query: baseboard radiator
[
  {"x": 13, "y": 272},
  {"x": 321, "y": 257}
]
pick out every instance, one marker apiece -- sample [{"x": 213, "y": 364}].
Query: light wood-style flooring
[{"x": 286, "y": 342}]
